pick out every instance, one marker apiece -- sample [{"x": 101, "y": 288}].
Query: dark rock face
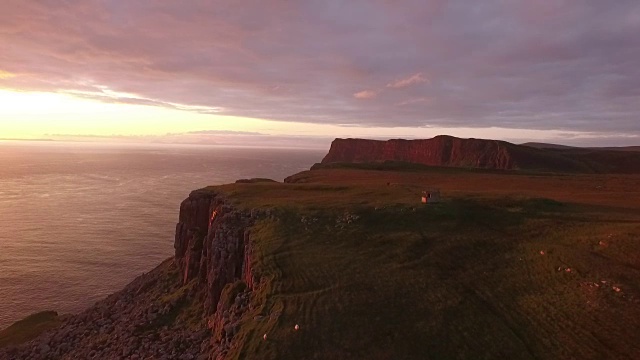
[
  {"x": 191, "y": 230},
  {"x": 213, "y": 247},
  {"x": 212, "y": 244}
]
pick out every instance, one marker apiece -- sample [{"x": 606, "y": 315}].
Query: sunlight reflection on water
[{"x": 77, "y": 223}]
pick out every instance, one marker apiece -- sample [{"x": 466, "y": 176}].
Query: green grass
[
  {"x": 369, "y": 273},
  {"x": 188, "y": 310},
  {"x": 29, "y": 328}
]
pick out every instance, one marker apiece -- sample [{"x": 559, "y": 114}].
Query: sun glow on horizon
[
  {"x": 46, "y": 115},
  {"x": 35, "y": 115}
]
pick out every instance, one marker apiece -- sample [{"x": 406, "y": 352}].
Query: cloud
[
  {"x": 6, "y": 75},
  {"x": 411, "y": 80},
  {"x": 105, "y": 95},
  {"x": 489, "y": 65},
  {"x": 220, "y": 132},
  {"x": 365, "y": 94}
]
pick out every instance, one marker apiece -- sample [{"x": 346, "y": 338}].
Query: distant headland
[{"x": 444, "y": 150}]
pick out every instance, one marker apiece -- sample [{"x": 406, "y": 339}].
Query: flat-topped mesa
[
  {"x": 439, "y": 151},
  {"x": 450, "y": 151},
  {"x": 212, "y": 244}
]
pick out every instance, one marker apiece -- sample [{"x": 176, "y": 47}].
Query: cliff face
[
  {"x": 212, "y": 245},
  {"x": 213, "y": 249},
  {"x": 479, "y": 153},
  {"x": 439, "y": 151}
]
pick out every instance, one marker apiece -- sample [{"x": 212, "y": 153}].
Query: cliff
[
  {"x": 479, "y": 153},
  {"x": 212, "y": 244},
  {"x": 213, "y": 248},
  {"x": 439, "y": 151},
  {"x": 348, "y": 264}
]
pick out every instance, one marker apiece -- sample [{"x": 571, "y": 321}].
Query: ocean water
[{"x": 79, "y": 221}]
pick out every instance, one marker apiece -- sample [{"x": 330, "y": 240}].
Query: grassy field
[{"x": 508, "y": 266}]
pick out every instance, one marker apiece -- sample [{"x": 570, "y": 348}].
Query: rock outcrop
[{"x": 479, "y": 153}]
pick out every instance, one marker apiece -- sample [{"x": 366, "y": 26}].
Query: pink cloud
[
  {"x": 408, "y": 81},
  {"x": 366, "y": 94}
]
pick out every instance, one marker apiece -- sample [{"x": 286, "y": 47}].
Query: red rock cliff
[
  {"x": 439, "y": 151},
  {"x": 479, "y": 153}
]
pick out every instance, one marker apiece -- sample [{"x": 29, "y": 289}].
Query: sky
[{"x": 304, "y": 72}]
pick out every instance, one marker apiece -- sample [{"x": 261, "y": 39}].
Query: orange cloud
[{"x": 6, "y": 75}]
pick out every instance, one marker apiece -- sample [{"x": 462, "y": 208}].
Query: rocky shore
[{"x": 135, "y": 323}]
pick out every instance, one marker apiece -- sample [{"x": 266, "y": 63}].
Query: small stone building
[{"x": 431, "y": 196}]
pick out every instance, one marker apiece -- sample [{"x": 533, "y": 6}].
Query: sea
[{"x": 78, "y": 221}]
